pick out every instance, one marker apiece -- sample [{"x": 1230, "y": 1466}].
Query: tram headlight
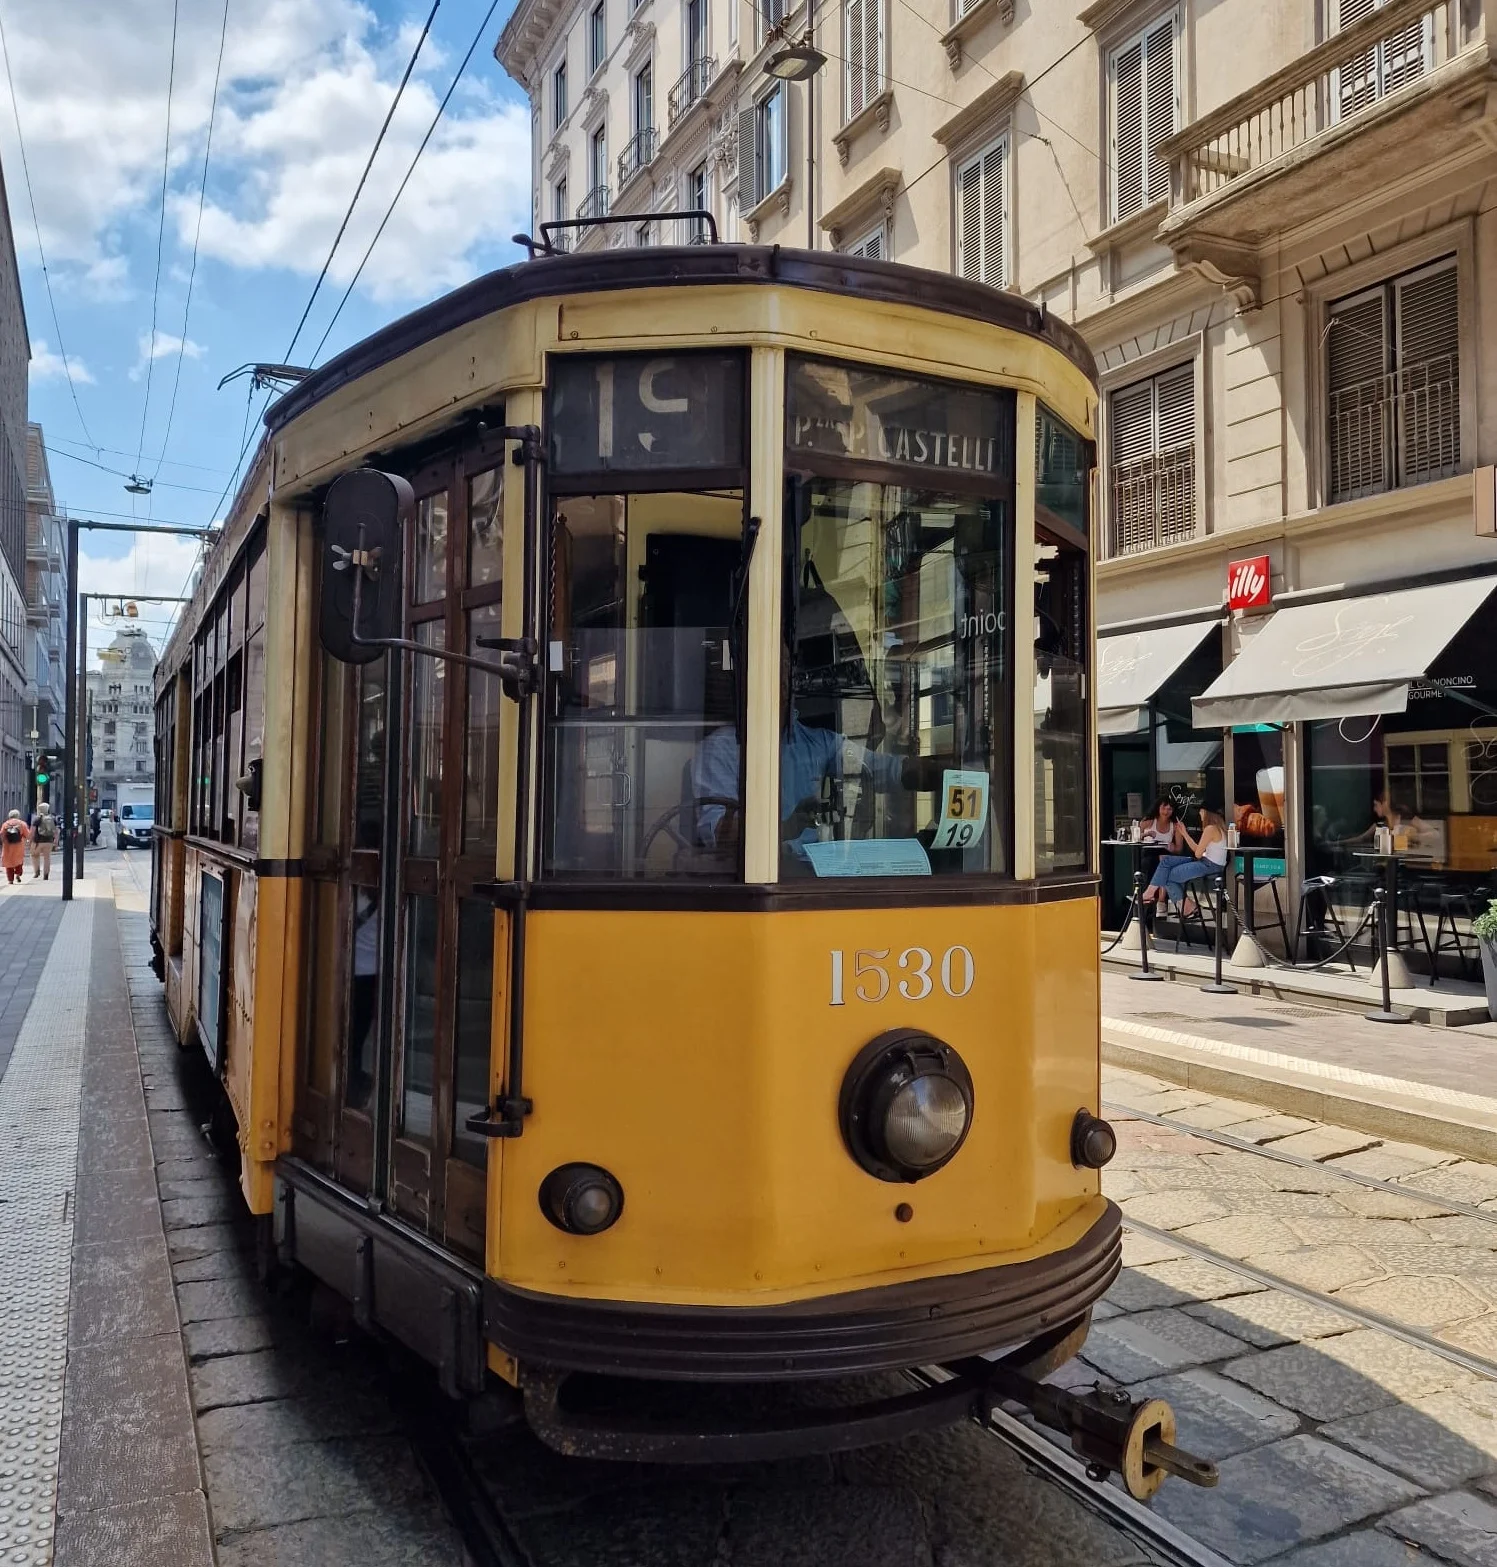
[
  {"x": 906, "y": 1105},
  {"x": 582, "y": 1199}
]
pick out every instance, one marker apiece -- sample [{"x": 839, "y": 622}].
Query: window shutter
[
  {"x": 1358, "y": 79},
  {"x": 994, "y": 213},
  {"x": 1177, "y": 410},
  {"x": 1356, "y": 385},
  {"x": 748, "y": 163},
  {"x": 1428, "y": 379},
  {"x": 852, "y": 40},
  {"x": 1159, "y": 105},
  {"x": 873, "y": 49},
  {"x": 1127, "y": 131},
  {"x": 969, "y": 220},
  {"x": 1132, "y": 439},
  {"x": 871, "y": 246}
]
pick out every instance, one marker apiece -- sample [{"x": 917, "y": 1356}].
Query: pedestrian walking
[
  {"x": 13, "y": 836},
  {"x": 93, "y": 825},
  {"x": 108, "y": 832},
  {"x": 43, "y": 836}
]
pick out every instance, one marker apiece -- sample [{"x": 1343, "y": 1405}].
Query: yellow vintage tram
[{"x": 625, "y": 841}]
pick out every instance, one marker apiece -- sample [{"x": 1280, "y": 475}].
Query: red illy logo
[{"x": 1247, "y": 583}]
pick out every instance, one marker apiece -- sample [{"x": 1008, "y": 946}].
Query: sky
[{"x": 302, "y": 92}]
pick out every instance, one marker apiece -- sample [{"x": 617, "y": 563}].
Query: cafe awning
[
  {"x": 1343, "y": 658},
  {"x": 1133, "y": 665}
]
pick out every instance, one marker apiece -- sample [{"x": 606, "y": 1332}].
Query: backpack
[
  {"x": 46, "y": 829},
  {"x": 12, "y": 833}
]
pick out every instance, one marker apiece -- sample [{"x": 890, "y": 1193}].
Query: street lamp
[
  {"x": 796, "y": 62},
  {"x": 800, "y": 63}
]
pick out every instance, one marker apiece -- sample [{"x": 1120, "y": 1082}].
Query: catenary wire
[
  {"x": 116, "y": 451},
  {"x": 166, "y": 161},
  {"x": 119, "y": 473},
  {"x": 394, "y": 200},
  {"x": 359, "y": 188},
  {"x": 62, "y": 351},
  {"x": 192, "y": 270},
  {"x": 337, "y": 240}
]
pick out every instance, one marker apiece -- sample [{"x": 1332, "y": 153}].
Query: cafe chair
[
  {"x": 1260, "y": 879},
  {"x": 1317, "y": 908},
  {"x": 1456, "y": 906},
  {"x": 1410, "y": 914},
  {"x": 1202, "y": 893}
]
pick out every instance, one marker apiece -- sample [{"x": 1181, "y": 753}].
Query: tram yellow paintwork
[{"x": 698, "y": 1055}]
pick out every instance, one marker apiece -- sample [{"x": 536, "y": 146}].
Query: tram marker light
[{"x": 582, "y": 1199}]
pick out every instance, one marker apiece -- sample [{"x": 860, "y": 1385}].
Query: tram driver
[{"x": 811, "y": 759}]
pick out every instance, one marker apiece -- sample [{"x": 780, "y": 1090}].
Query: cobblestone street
[{"x": 1319, "y": 1306}]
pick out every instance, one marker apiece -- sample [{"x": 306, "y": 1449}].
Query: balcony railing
[
  {"x": 1395, "y": 430},
  {"x": 638, "y": 154},
  {"x": 695, "y": 80},
  {"x": 1153, "y": 502},
  {"x": 1329, "y": 85},
  {"x": 594, "y": 204}
]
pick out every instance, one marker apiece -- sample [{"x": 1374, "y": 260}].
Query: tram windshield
[{"x": 896, "y": 685}]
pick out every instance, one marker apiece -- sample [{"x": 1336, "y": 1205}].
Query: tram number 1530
[{"x": 873, "y": 981}]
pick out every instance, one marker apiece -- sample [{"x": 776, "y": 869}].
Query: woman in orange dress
[{"x": 13, "y": 835}]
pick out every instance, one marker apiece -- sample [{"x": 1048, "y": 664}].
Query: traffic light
[{"x": 43, "y": 768}]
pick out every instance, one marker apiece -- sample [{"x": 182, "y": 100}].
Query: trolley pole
[{"x": 72, "y": 752}]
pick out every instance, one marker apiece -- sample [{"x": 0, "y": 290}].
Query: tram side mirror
[{"x": 363, "y": 528}]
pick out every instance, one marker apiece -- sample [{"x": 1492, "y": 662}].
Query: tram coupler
[{"x": 1109, "y": 1431}]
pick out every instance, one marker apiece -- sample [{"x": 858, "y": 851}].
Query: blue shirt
[{"x": 807, "y": 757}]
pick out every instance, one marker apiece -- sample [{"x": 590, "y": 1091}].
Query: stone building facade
[
  {"x": 122, "y": 705},
  {"x": 1276, "y": 225}
]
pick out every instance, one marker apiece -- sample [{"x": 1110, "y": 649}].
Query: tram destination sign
[
  {"x": 870, "y": 416},
  {"x": 646, "y": 413}
]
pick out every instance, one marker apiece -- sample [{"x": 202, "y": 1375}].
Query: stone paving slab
[{"x": 1459, "y": 1527}]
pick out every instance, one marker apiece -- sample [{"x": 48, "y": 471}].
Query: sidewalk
[
  {"x": 1431, "y": 1085},
  {"x": 158, "y": 1406}
]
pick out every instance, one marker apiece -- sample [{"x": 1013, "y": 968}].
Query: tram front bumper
[{"x": 889, "y": 1328}]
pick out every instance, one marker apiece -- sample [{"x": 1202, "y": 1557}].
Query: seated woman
[
  {"x": 1207, "y": 857},
  {"x": 1162, "y": 827}
]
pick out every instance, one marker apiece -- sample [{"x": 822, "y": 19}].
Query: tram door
[{"x": 448, "y": 821}]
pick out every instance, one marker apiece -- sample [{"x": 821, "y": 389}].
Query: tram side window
[
  {"x": 896, "y": 754},
  {"x": 643, "y": 669},
  {"x": 1062, "y": 796},
  {"x": 643, "y": 680}
]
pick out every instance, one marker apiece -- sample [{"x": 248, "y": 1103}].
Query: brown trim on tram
[
  {"x": 279, "y": 867},
  {"x": 880, "y": 282},
  {"x": 780, "y": 898},
  {"x": 237, "y": 858},
  {"x": 887, "y": 1328}
]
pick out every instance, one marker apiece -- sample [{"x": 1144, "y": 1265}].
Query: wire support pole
[{"x": 70, "y": 711}]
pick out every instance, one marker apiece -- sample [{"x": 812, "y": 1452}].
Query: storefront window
[
  {"x": 1256, "y": 808},
  {"x": 896, "y": 700}
]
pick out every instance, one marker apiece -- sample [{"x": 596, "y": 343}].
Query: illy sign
[{"x": 1247, "y": 583}]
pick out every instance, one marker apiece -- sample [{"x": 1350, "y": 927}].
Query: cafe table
[
  {"x": 1389, "y": 861},
  {"x": 1137, "y": 850}
]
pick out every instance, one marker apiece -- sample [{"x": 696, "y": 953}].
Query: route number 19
[{"x": 873, "y": 981}]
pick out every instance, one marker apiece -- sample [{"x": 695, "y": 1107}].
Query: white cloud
[
  {"x": 306, "y": 85},
  {"x": 164, "y": 343},
  {"x": 47, "y": 364}
]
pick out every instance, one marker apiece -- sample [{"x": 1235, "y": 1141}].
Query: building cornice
[
  {"x": 979, "y": 16},
  {"x": 879, "y": 190},
  {"x": 525, "y": 35},
  {"x": 987, "y": 106}
]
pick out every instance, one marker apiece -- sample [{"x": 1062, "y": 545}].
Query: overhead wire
[
  {"x": 119, "y": 473},
  {"x": 394, "y": 200},
  {"x": 54, "y": 441},
  {"x": 192, "y": 270},
  {"x": 359, "y": 189},
  {"x": 166, "y": 161},
  {"x": 67, "y": 365},
  {"x": 332, "y": 251}
]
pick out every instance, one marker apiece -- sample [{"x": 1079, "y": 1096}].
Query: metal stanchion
[
  {"x": 1145, "y": 972},
  {"x": 1218, "y": 988},
  {"x": 1380, "y": 925}
]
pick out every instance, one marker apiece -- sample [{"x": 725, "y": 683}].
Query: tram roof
[{"x": 683, "y": 266}]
